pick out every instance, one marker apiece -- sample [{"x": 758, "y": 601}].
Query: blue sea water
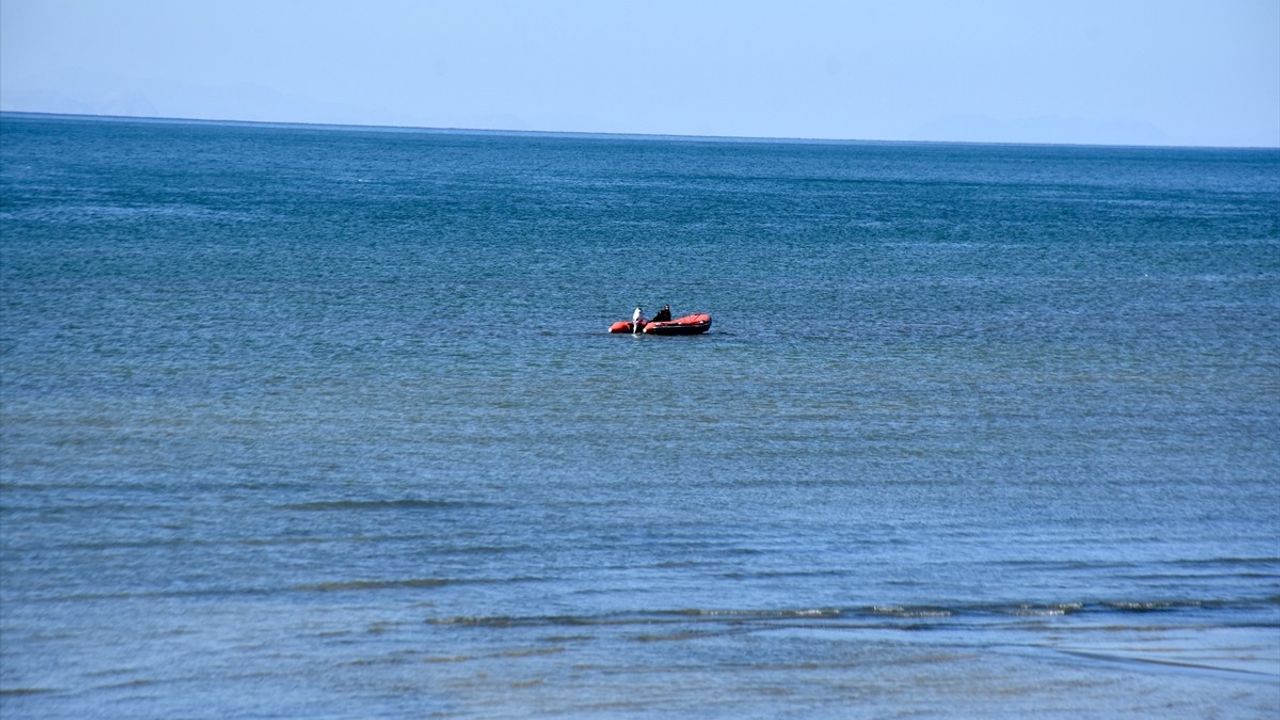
[{"x": 325, "y": 422}]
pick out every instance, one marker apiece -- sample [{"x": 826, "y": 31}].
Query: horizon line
[{"x": 588, "y": 134}]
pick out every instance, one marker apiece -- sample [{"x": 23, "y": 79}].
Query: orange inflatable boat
[{"x": 687, "y": 325}]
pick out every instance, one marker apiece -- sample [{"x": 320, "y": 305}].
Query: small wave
[
  {"x": 1229, "y": 561},
  {"x": 757, "y": 614},
  {"x": 778, "y": 574},
  {"x": 329, "y": 586},
  {"x": 912, "y": 612},
  {"x": 531, "y": 652},
  {"x": 1192, "y": 576},
  {"x": 358, "y": 505},
  {"x": 654, "y": 617},
  {"x": 504, "y": 621},
  {"x": 139, "y": 682},
  {"x": 1065, "y": 565},
  {"x": 476, "y": 620},
  {"x": 375, "y": 584},
  {"x": 1145, "y": 606},
  {"x": 407, "y": 583},
  {"x": 437, "y": 659},
  {"x": 1047, "y": 610},
  {"x": 675, "y": 636},
  {"x": 886, "y": 616}
]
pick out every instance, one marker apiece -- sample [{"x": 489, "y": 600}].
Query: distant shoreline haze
[{"x": 588, "y": 135}]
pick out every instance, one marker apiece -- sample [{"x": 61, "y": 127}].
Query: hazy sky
[{"x": 1176, "y": 72}]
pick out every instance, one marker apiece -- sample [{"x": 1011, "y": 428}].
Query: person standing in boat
[
  {"x": 663, "y": 315},
  {"x": 636, "y": 317}
]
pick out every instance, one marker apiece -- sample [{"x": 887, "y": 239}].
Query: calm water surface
[{"x": 319, "y": 422}]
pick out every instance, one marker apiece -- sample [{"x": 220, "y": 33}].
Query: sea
[{"x": 325, "y": 422}]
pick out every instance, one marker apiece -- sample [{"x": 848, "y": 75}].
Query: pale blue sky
[{"x": 1165, "y": 72}]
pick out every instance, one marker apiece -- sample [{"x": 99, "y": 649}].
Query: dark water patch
[
  {"x": 136, "y": 683},
  {"x": 511, "y": 621},
  {"x": 990, "y": 614},
  {"x": 531, "y": 652},
  {"x": 1251, "y": 561},
  {"x": 109, "y": 672},
  {"x": 782, "y": 574},
  {"x": 722, "y": 614},
  {"x": 1065, "y": 565},
  {"x": 566, "y": 639},
  {"x": 397, "y": 659},
  {"x": 342, "y": 586},
  {"x": 718, "y": 616},
  {"x": 379, "y": 505},
  {"x": 24, "y": 691},
  {"x": 514, "y": 653},
  {"x": 1187, "y": 577},
  {"x": 409, "y": 583},
  {"x": 449, "y": 659},
  {"x": 679, "y": 636},
  {"x": 679, "y": 564}
]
